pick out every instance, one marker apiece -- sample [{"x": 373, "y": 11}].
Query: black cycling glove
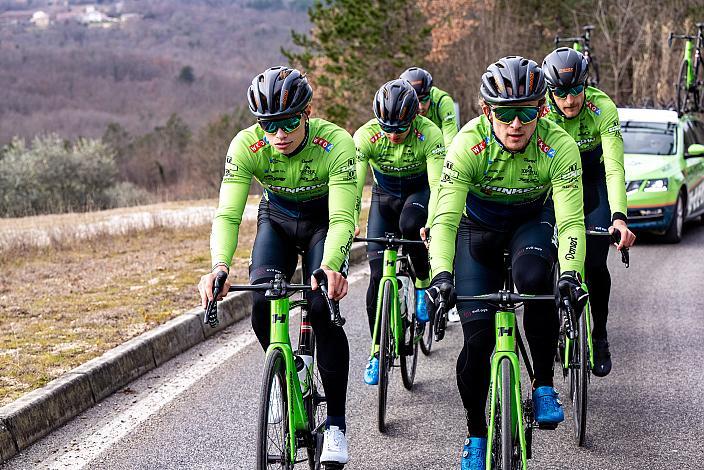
[
  {"x": 442, "y": 285},
  {"x": 570, "y": 286}
]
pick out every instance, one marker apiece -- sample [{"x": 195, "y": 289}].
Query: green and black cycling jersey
[
  {"x": 499, "y": 189},
  {"x": 442, "y": 113},
  {"x": 597, "y": 132},
  {"x": 400, "y": 169},
  {"x": 321, "y": 173}
]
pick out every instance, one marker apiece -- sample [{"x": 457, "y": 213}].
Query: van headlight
[{"x": 656, "y": 186}]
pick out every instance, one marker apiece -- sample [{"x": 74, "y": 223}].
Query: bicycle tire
[
  {"x": 682, "y": 93},
  {"x": 426, "y": 339},
  {"x": 699, "y": 86},
  {"x": 410, "y": 344},
  {"x": 579, "y": 370},
  {"x": 273, "y": 383},
  {"x": 386, "y": 355}
]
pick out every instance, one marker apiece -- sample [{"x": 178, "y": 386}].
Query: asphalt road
[{"x": 198, "y": 410}]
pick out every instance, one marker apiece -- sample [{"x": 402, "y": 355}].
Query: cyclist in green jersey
[
  {"x": 590, "y": 117},
  {"x": 307, "y": 168},
  {"x": 435, "y": 104},
  {"x": 501, "y": 175},
  {"x": 405, "y": 151}
]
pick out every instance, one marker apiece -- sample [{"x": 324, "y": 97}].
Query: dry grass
[{"x": 66, "y": 303}]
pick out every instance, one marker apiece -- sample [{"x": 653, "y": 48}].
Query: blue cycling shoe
[
  {"x": 547, "y": 406},
  {"x": 371, "y": 373},
  {"x": 421, "y": 306},
  {"x": 474, "y": 453}
]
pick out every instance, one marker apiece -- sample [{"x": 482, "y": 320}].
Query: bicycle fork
[
  {"x": 506, "y": 333},
  {"x": 280, "y": 339},
  {"x": 388, "y": 274}
]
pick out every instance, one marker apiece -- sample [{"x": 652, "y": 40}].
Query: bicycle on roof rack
[
  {"x": 689, "y": 88},
  {"x": 583, "y": 44}
]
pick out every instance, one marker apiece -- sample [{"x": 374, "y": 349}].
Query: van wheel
[{"x": 674, "y": 231}]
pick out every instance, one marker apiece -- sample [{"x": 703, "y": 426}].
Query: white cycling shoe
[
  {"x": 334, "y": 446},
  {"x": 453, "y": 316}
]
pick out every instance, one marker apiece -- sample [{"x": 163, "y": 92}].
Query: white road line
[{"x": 156, "y": 399}]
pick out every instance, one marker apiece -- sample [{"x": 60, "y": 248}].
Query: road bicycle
[
  {"x": 689, "y": 88},
  {"x": 292, "y": 411},
  {"x": 396, "y": 328},
  {"x": 511, "y": 419},
  {"x": 582, "y": 44},
  {"x": 576, "y": 352}
]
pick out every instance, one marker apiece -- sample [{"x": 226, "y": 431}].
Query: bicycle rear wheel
[
  {"x": 579, "y": 371},
  {"x": 386, "y": 355},
  {"x": 426, "y": 339},
  {"x": 409, "y": 354},
  {"x": 699, "y": 86},
  {"x": 272, "y": 431},
  {"x": 682, "y": 93},
  {"x": 316, "y": 409}
]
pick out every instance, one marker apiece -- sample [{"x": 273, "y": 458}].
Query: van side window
[{"x": 690, "y": 136}]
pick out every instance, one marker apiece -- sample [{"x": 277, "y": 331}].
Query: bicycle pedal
[{"x": 547, "y": 426}]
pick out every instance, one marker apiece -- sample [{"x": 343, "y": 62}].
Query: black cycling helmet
[
  {"x": 279, "y": 92},
  {"x": 421, "y": 80},
  {"x": 512, "y": 80},
  {"x": 565, "y": 68},
  {"x": 395, "y": 104}
]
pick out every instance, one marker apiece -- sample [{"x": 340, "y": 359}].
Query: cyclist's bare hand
[
  {"x": 356, "y": 230},
  {"x": 628, "y": 238},
  {"x": 205, "y": 286},
  {"x": 337, "y": 284},
  {"x": 424, "y": 236}
]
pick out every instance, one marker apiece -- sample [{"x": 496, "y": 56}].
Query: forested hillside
[{"x": 133, "y": 62}]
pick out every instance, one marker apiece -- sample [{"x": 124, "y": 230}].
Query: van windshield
[{"x": 650, "y": 138}]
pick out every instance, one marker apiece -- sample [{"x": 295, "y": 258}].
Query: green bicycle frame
[
  {"x": 506, "y": 350},
  {"x": 389, "y": 274},
  {"x": 688, "y": 46},
  {"x": 577, "y": 46},
  {"x": 280, "y": 339}
]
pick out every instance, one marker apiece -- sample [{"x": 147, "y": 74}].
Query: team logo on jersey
[
  {"x": 323, "y": 143},
  {"x": 545, "y": 111},
  {"x": 479, "y": 148},
  {"x": 258, "y": 144},
  {"x": 592, "y": 107},
  {"x": 545, "y": 148},
  {"x": 376, "y": 136},
  {"x": 420, "y": 136}
]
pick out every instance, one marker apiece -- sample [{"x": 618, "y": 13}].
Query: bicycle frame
[
  {"x": 281, "y": 340},
  {"x": 389, "y": 274},
  {"x": 506, "y": 350},
  {"x": 689, "y": 58}
]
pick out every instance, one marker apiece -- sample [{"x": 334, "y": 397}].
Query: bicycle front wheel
[
  {"x": 682, "y": 93},
  {"x": 409, "y": 354},
  {"x": 502, "y": 442},
  {"x": 579, "y": 371},
  {"x": 273, "y": 450},
  {"x": 386, "y": 355}
]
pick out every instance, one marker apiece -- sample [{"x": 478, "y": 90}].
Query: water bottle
[
  {"x": 403, "y": 293},
  {"x": 303, "y": 365}
]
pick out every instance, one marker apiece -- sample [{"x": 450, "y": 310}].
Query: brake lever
[
  {"x": 333, "y": 307},
  {"x": 210, "y": 316}
]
